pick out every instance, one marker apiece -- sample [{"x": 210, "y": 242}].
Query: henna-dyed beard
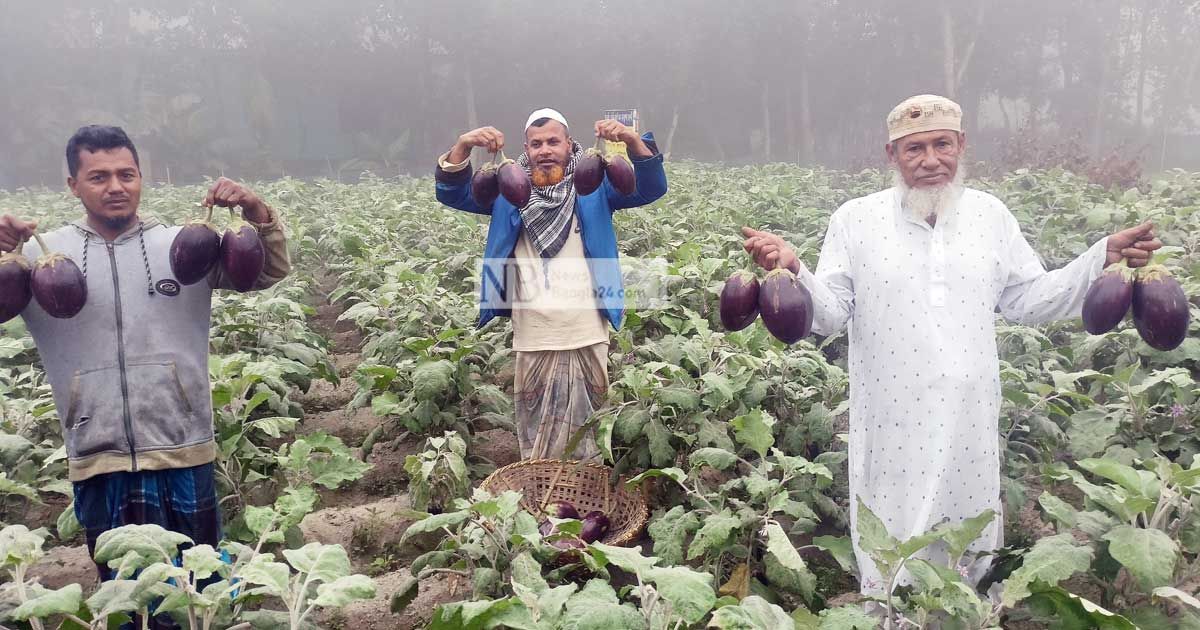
[{"x": 547, "y": 175}]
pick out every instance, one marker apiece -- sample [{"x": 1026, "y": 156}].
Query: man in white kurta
[{"x": 917, "y": 273}]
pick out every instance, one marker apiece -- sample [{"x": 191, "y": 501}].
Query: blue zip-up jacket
[{"x": 596, "y": 229}]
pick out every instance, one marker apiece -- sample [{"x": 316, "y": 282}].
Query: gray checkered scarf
[{"x": 550, "y": 210}]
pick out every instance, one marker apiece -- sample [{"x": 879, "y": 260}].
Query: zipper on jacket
[{"x": 112, "y": 261}]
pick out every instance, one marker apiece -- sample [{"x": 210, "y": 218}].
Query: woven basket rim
[{"x": 641, "y": 510}]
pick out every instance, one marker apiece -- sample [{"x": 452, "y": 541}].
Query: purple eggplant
[
  {"x": 562, "y": 509},
  {"x": 1108, "y": 299},
  {"x": 485, "y": 186},
  {"x": 15, "y": 292},
  {"x": 786, "y": 306},
  {"x": 514, "y": 183},
  {"x": 1160, "y": 308},
  {"x": 620, "y": 174},
  {"x": 595, "y": 526},
  {"x": 589, "y": 172},
  {"x": 739, "y": 301},
  {"x": 195, "y": 250},
  {"x": 57, "y": 284},
  {"x": 242, "y": 255}
]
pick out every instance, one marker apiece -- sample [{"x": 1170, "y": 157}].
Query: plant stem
[{"x": 42, "y": 244}]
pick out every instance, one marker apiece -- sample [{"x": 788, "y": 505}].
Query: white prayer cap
[
  {"x": 926, "y": 112},
  {"x": 552, "y": 114}
]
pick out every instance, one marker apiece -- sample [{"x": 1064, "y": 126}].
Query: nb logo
[{"x": 167, "y": 287}]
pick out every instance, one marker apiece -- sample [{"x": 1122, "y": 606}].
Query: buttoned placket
[{"x": 937, "y": 253}]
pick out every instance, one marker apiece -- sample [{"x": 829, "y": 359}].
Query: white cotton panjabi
[{"x": 920, "y": 303}]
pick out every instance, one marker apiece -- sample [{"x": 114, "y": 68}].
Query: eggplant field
[{"x": 358, "y": 409}]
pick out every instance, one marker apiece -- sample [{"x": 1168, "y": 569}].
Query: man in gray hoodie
[{"x": 129, "y": 373}]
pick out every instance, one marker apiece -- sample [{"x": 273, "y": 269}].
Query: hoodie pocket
[
  {"x": 161, "y": 408},
  {"x": 95, "y": 421}
]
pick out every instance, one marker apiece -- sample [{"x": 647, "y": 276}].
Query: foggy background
[{"x": 261, "y": 88}]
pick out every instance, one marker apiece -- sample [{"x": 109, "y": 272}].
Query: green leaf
[
  {"x": 604, "y": 435},
  {"x": 1089, "y": 432},
  {"x": 260, "y": 519},
  {"x": 271, "y": 576},
  {"x": 596, "y": 607},
  {"x": 9, "y": 486},
  {"x": 841, "y": 548},
  {"x": 753, "y": 430},
  {"x": 203, "y": 561},
  {"x": 65, "y": 600},
  {"x": 1061, "y": 511},
  {"x": 113, "y": 596},
  {"x": 917, "y": 543},
  {"x": 674, "y": 473},
  {"x": 1138, "y": 482},
  {"x": 20, "y": 546},
  {"x": 528, "y": 573},
  {"x": 781, "y": 547},
  {"x": 718, "y": 458},
  {"x": 435, "y": 523},
  {"x": 714, "y": 534},
  {"x": 925, "y": 574},
  {"x": 1170, "y": 592},
  {"x": 718, "y": 390},
  {"x": 275, "y": 426},
  {"x": 1050, "y": 561},
  {"x": 320, "y": 562},
  {"x": 670, "y": 532},
  {"x": 685, "y": 399},
  {"x": 849, "y": 617},
  {"x": 661, "y": 451},
  {"x": 753, "y": 613},
  {"x": 485, "y": 580},
  {"x": 150, "y": 543},
  {"x": 1072, "y": 611},
  {"x": 690, "y": 592},
  {"x": 626, "y": 558},
  {"x": 431, "y": 379},
  {"x": 474, "y": 615},
  {"x": 67, "y": 524},
  {"x": 404, "y": 595},
  {"x": 959, "y": 537},
  {"x": 785, "y": 580},
  {"x": 1149, "y": 554},
  {"x": 1095, "y": 523},
  {"x": 551, "y": 603},
  {"x": 873, "y": 535},
  {"x": 344, "y": 590},
  {"x": 505, "y": 505}
]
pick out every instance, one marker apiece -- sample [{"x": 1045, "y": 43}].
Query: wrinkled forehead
[
  {"x": 927, "y": 137},
  {"x": 552, "y": 129}
]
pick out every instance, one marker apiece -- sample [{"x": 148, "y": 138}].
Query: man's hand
[
  {"x": 1135, "y": 245},
  {"x": 489, "y": 138},
  {"x": 770, "y": 251},
  {"x": 616, "y": 131},
  {"x": 14, "y": 231},
  {"x": 227, "y": 193}
]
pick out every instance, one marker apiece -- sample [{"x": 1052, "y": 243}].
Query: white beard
[{"x": 926, "y": 203}]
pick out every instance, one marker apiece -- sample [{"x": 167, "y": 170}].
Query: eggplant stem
[
  {"x": 208, "y": 215},
  {"x": 42, "y": 244}
]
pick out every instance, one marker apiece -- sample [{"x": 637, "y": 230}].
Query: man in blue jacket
[{"x": 552, "y": 267}]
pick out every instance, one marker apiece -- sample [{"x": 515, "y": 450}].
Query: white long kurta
[{"x": 920, "y": 302}]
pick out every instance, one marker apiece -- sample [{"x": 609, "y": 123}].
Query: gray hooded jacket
[{"x": 130, "y": 372}]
